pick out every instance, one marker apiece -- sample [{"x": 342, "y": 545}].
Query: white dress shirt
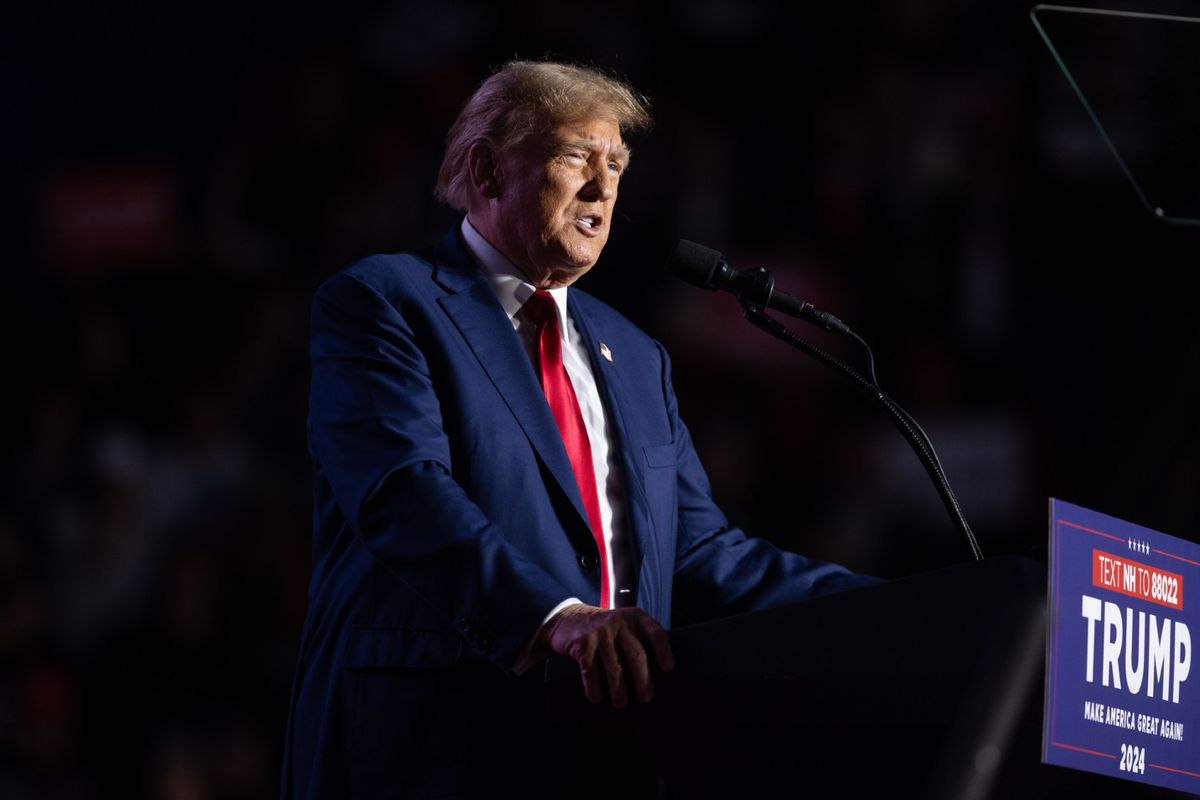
[{"x": 513, "y": 290}]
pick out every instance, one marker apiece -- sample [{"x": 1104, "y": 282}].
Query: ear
[{"x": 484, "y": 168}]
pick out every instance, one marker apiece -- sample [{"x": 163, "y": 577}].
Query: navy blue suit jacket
[{"x": 448, "y": 523}]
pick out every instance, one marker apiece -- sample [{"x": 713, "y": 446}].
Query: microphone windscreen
[{"x": 694, "y": 263}]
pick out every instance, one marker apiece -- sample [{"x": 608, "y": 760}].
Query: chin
[
  {"x": 574, "y": 263},
  {"x": 565, "y": 276}
]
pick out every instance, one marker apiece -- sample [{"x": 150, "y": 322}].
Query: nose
[{"x": 601, "y": 185}]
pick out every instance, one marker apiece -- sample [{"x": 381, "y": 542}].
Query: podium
[{"x": 927, "y": 686}]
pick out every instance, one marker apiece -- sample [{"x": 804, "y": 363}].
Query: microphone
[{"x": 704, "y": 267}]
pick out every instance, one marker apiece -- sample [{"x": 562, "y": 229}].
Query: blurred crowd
[{"x": 181, "y": 179}]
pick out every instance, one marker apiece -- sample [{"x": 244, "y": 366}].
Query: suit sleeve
[
  {"x": 719, "y": 570},
  {"x": 377, "y": 436}
]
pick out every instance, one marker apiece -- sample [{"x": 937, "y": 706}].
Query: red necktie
[{"x": 565, "y": 407}]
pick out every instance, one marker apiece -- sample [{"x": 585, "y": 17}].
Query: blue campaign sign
[{"x": 1122, "y": 697}]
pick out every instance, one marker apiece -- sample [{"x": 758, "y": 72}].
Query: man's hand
[{"x": 610, "y": 647}]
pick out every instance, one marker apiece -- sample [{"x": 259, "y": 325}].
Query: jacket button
[{"x": 588, "y": 561}]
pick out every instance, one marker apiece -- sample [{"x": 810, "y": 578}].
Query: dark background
[{"x": 177, "y": 179}]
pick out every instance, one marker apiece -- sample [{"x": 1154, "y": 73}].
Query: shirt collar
[{"x": 510, "y": 286}]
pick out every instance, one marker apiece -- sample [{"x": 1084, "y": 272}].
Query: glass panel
[{"x": 1138, "y": 76}]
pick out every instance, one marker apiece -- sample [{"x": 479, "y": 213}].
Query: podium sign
[{"x": 1122, "y": 688}]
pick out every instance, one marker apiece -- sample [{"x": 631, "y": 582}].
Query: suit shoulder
[
  {"x": 387, "y": 271},
  {"x": 396, "y": 279}
]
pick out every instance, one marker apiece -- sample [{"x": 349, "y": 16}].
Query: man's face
[{"x": 555, "y": 198}]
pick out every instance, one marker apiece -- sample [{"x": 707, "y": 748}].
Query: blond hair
[{"x": 524, "y": 98}]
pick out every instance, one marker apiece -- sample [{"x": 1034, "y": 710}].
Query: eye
[{"x": 615, "y": 167}]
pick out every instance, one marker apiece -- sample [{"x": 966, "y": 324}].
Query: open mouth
[{"x": 589, "y": 222}]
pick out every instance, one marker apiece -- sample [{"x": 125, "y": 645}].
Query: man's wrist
[{"x": 535, "y": 650}]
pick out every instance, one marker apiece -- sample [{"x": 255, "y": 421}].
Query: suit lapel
[
  {"x": 618, "y": 399},
  {"x": 473, "y": 308}
]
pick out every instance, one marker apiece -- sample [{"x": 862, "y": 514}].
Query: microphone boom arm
[{"x": 912, "y": 432}]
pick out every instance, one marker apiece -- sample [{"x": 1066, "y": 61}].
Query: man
[{"x": 501, "y": 474}]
